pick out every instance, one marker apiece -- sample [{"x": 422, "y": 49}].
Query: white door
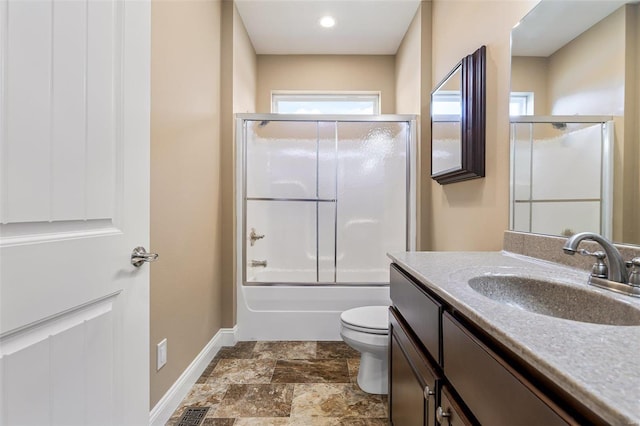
[{"x": 74, "y": 202}]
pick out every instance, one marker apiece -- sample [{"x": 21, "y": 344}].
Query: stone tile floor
[{"x": 284, "y": 383}]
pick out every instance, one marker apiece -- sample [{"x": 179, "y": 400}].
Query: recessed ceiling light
[{"x": 327, "y": 21}]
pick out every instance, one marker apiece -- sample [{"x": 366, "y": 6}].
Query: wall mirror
[
  {"x": 575, "y": 108},
  {"x": 458, "y": 121}
]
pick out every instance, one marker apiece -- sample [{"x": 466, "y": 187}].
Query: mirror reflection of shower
[
  {"x": 324, "y": 201},
  {"x": 561, "y": 176}
]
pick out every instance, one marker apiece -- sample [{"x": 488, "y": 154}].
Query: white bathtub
[{"x": 300, "y": 312}]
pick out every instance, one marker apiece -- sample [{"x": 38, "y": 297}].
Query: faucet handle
[
  {"x": 633, "y": 262},
  {"x": 599, "y": 269},
  {"x": 634, "y": 274}
]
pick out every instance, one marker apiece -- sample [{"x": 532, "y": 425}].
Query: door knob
[{"x": 140, "y": 256}]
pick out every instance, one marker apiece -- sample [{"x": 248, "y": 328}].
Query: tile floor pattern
[{"x": 284, "y": 383}]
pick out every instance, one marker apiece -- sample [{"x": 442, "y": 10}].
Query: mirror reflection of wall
[
  {"x": 583, "y": 58},
  {"x": 446, "y": 113}
]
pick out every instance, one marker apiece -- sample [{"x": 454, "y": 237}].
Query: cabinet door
[
  {"x": 450, "y": 413},
  {"x": 412, "y": 383}
]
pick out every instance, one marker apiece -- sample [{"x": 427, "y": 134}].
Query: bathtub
[{"x": 285, "y": 312}]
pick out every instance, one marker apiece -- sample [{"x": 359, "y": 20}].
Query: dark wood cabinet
[
  {"x": 444, "y": 371},
  {"x": 421, "y": 311},
  {"x": 413, "y": 380},
  {"x": 450, "y": 412},
  {"x": 494, "y": 391}
]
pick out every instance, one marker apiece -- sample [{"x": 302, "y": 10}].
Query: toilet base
[{"x": 373, "y": 375}]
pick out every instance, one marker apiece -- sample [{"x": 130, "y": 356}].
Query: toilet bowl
[{"x": 366, "y": 329}]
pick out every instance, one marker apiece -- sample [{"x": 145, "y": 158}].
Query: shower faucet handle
[{"x": 253, "y": 237}]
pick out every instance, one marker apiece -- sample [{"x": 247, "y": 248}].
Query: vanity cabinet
[
  {"x": 494, "y": 391},
  {"x": 422, "y": 312},
  {"x": 413, "y": 379},
  {"x": 473, "y": 382},
  {"x": 450, "y": 412}
]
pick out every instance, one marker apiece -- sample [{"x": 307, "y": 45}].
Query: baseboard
[
  {"x": 163, "y": 410},
  {"x": 229, "y": 336}
]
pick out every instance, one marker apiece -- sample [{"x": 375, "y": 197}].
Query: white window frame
[
  {"x": 310, "y": 96},
  {"x": 524, "y": 100}
]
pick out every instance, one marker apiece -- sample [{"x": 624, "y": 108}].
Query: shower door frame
[
  {"x": 606, "y": 163},
  {"x": 241, "y": 190}
]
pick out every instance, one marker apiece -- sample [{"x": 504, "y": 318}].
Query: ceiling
[
  {"x": 365, "y": 27},
  {"x": 546, "y": 28}
]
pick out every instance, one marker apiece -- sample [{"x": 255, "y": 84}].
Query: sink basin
[{"x": 556, "y": 299}]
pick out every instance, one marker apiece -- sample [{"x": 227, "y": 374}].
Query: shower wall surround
[{"x": 325, "y": 199}]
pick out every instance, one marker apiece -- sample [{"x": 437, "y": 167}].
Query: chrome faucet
[
  {"x": 613, "y": 277},
  {"x": 617, "y": 270}
]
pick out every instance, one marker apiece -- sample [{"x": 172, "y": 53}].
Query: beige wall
[
  {"x": 587, "y": 77},
  {"x": 185, "y": 183},
  {"x": 587, "y": 74},
  {"x": 530, "y": 74},
  {"x": 245, "y": 68},
  {"x": 326, "y": 72},
  {"x": 413, "y": 96},
  {"x": 408, "y": 69},
  {"x": 472, "y": 215},
  {"x": 238, "y": 94}
]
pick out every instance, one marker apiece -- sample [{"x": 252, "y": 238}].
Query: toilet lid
[{"x": 367, "y": 317}]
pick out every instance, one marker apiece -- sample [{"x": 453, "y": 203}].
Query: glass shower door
[
  {"x": 372, "y": 199},
  {"x": 290, "y": 198},
  {"x": 325, "y": 201}
]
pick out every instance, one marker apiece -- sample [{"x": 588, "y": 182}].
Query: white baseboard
[
  {"x": 229, "y": 336},
  {"x": 171, "y": 400}
]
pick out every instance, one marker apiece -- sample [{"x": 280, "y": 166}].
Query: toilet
[{"x": 366, "y": 329}]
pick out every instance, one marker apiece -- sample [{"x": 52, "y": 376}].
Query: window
[
  {"x": 521, "y": 103},
  {"x": 358, "y": 103},
  {"x": 446, "y": 102}
]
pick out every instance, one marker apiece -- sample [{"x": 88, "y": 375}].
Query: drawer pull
[
  {"x": 441, "y": 415},
  {"x": 428, "y": 392}
]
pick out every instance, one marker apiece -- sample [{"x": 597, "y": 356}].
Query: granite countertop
[{"x": 597, "y": 364}]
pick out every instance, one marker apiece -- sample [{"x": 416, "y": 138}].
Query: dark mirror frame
[{"x": 473, "y": 120}]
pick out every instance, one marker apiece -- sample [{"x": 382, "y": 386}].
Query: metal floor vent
[{"x": 193, "y": 416}]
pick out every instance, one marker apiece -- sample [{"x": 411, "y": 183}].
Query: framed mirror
[{"x": 458, "y": 121}]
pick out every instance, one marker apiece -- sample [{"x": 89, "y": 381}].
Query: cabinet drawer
[
  {"x": 421, "y": 311},
  {"x": 492, "y": 390},
  {"x": 413, "y": 380}
]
